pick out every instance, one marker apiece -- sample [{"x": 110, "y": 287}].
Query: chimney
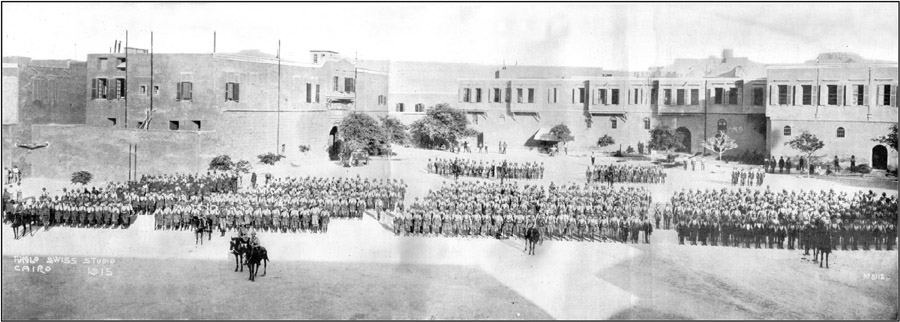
[{"x": 727, "y": 54}]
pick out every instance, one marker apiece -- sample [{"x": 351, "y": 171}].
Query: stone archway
[
  {"x": 686, "y": 140},
  {"x": 334, "y": 144},
  {"x": 879, "y": 157}
]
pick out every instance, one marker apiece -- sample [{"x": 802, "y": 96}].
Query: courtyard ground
[{"x": 361, "y": 270}]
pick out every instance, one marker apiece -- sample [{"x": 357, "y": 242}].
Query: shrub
[
  {"x": 862, "y": 168},
  {"x": 242, "y": 166},
  {"x": 629, "y": 149},
  {"x": 270, "y": 158},
  {"x": 605, "y": 140},
  {"x": 222, "y": 163},
  {"x": 82, "y": 177}
]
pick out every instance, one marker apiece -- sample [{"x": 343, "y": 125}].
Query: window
[
  {"x": 554, "y": 95},
  {"x": 336, "y": 79},
  {"x": 143, "y": 89},
  {"x": 679, "y": 97},
  {"x": 317, "y": 93},
  {"x": 758, "y": 96},
  {"x": 309, "y": 92},
  {"x": 859, "y": 94},
  {"x": 787, "y": 130},
  {"x": 399, "y": 107},
  {"x": 103, "y": 64},
  {"x": 603, "y": 99},
  {"x": 581, "y": 95},
  {"x": 722, "y": 126},
  {"x": 636, "y": 98},
  {"x": 140, "y": 125},
  {"x": 232, "y": 92},
  {"x": 120, "y": 88},
  {"x": 667, "y": 97},
  {"x": 496, "y": 95},
  {"x": 467, "y": 94},
  {"x": 382, "y": 100},
  {"x": 832, "y": 94},
  {"x": 782, "y": 94},
  {"x": 840, "y": 132},
  {"x": 733, "y": 96},
  {"x": 518, "y": 95},
  {"x": 478, "y": 95},
  {"x": 315, "y": 59},
  {"x": 886, "y": 95},
  {"x": 508, "y": 94},
  {"x": 350, "y": 85},
  {"x": 156, "y": 90},
  {"x": 99, "y": 88},
  {"x": 695, "y": 96},
  {"x": 646, "y": 123},
  {"x": 612, "y": 122},
  {"x": 807, "y": 94},
  {"x": 420, "y": 108},
  {"x": 614, "y": 96},
  {"x": 719, "y": 93},
  {"x": 173, "y": 125},
  {"x": 112, "y": 121},
  {"x": 185, "y": 91},
  {"x": 654, "y": 96},
  {"x": 197, "y": 124},
  {"x": 120, "y": 63},
  {"x": 531, "y": 95}
]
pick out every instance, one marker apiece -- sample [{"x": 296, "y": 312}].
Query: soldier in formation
[
  {"x": 613, "y": 173},
  {"x": 747, "y": 177}
]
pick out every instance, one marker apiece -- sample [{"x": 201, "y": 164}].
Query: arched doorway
[
  {"x": 879, "y": 157},
  {"x": 334, "y": 144},
  {"x": 686, "y": 139}
]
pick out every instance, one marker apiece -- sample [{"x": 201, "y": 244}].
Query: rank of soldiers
[
  {"x": 75, "y": 208},
  {"x": 613, "y": 173},
  {"x": 571, "y": 212},
  {"x": 285, "y": 204},
  {"x": 805, "y": 219},
  {"x": 486, "y": 169}
]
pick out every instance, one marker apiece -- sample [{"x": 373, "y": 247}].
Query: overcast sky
[{"x": 612, "y": 36}]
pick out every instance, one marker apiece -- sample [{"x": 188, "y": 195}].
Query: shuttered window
[
  {"x": 232, "y": 92},
  {"x": 185, "y": 91}
]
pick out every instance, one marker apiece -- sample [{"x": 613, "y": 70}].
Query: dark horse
[
  {"x": 238, "y": 248},
  {"x": 823, "y": 244},
  {"x": 532, "y": 237},
  {"x": 254, "y": 256},
  {"x": 200, "y": 227}
]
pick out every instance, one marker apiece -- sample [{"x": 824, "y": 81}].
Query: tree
[
  {"x": 361, "y": 131},
  {"x": 720, "y": 143},
  {"x": 605, "y": 140},
  {"x": 269, "y": 158},
  {"x": 394, "y": 129},
  {"x": 890, "y": 139},
  {"x": 663, "y": 138},
  {"x": 442, "y": 124},
  {"x": 806, "y": 143},
  {"x": 221, "y": 163},
  {"x": 82, "y": 177},
  {"x": 562, "y": 133},
  {"x": 242, "y": 166}
]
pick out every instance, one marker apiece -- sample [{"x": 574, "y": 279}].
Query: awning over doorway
[{"x": 544, "y": 135}]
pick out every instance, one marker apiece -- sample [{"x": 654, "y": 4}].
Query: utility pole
[
  {"x": 125, "y": 89},
  {"x": 278, "y": 113},
  {"x": 151, "y": 89}
]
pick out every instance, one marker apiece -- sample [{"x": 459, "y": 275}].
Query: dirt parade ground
[{"x": 361, "y": 270}]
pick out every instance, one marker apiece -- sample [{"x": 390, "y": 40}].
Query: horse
[
  {"x": 532, "y": 237},
  {"x": 254, "y": 256},
  {"x": 823, "y": 245},
  {"x": 238, "y": 247},
  {"x": 199, "y": 225}
]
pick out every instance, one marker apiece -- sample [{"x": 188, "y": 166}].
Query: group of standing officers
[
  {"x": 613, "y": 173},
  {"x": 96, "y": 208},
  {"x": 486, "y": 169},
  {"x": 747, "y": 177},
  {"x": 570, "y": 212},
  {"x": 805, "y": 219}
]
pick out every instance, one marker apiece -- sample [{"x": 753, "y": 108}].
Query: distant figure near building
[
  {"x": 592, "y": 158},
  {"x": 253, "y": 180},
  {"x": 837, "y": 164},
  {"x": 787, "y": 164},
  {"x": 852, "y": 162},
  {"x": 781, "y": 165}
]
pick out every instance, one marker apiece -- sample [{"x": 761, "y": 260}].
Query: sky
[{"x": 613, "y": 36}]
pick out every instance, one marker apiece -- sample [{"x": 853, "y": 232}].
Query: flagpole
[{"x": 278, "y": 113}]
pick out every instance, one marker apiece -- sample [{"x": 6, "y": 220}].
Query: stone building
[
  {"x": 846, "y": 105},
  {"x": 251, "y": 104},
  {"x": 43, "y": 91}
]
